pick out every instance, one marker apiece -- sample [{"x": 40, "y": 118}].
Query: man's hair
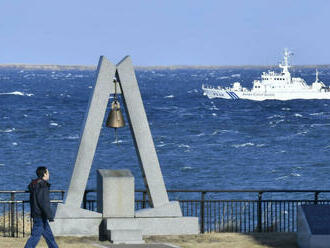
[{"x": 41, "y": 171}]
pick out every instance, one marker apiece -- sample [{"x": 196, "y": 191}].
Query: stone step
[{"x": 126, "y": 236}]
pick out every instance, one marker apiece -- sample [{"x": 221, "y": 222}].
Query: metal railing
[{"x": 217, "y": 210}]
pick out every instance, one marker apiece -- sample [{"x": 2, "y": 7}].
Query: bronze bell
[{"x": 115, "y": 118}]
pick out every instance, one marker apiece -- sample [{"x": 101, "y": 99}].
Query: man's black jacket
[{"x": 39, "y": 199}]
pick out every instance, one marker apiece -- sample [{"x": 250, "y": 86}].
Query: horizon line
[{"x": 142, "y": 67}]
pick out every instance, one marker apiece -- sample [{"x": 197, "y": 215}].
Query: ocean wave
[
  {"x": 73, "y": 137},
  {"x": 243, "y": 145},
  {"x": 186, "y": 168},
  {"x": 213, "y": 108},
  {"x": 14, "y": 143},
  {"x": 275, "y": 116},
  {"x": 223, "y": 77},
  {"x": 281, "y": 178},
  {"x": 53, "y": 124},
  {"x": 17, "y": 93},
  {"x": 214, "y": 114},
  {"x": 236, "y": 75},
  {"x": 169, "y": 96},
  {"x": 117, "y": 142},
  {"x": 192, "y": 91},
  {"x": 320, "y": 125},
  {"x": 285, "y": 109},
  {"x": 302, "y": 133},
  {"x": 273, "y": 123},
  {"x": 297, "y": 115},
  {"x": 319, "y": 113},
  {"x": 260, "y": 145},
  {"x": 8, "y": 130},
  {"x": 295, "y": 174},
  {"x": 184, "y": 146}
]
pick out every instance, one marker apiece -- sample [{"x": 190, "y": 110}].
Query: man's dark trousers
[{"x": 41, "y": 227}]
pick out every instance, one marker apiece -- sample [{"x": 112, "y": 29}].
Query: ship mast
[
  {"x": 285, "y": 65},
  {"x": 316, "y": 75}
]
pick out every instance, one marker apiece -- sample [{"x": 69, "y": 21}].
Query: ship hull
[{"x": 261, "y": 96}]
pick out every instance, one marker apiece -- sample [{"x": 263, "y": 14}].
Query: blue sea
[{"x": 201, "y": 143}]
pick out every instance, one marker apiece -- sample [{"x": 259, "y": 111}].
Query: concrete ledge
[
  {"x": 168, "y": 226},
  {"x": 72, "y": 221},
  {"x": 76, "y": 227},
  {"x": 171, "y": 209},
  {"x": 66, "y": 211}
]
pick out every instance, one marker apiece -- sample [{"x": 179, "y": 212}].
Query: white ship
[{"x": 273, "y": 86}]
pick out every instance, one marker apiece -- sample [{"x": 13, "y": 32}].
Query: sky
[{"x": 164, "y": 32}]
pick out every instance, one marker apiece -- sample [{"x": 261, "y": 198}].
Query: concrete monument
[{"x": 164, "y": 217}]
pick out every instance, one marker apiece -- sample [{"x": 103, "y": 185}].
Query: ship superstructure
[{"x": 273, "y": 86}]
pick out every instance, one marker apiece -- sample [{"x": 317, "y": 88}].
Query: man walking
[{"x": 40, "y": 210}]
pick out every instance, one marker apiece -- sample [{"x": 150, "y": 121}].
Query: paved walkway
[{"x": 137, "y": 246}]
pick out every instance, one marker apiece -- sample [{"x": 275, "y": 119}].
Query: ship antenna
[{"x": 285, "y": 66}]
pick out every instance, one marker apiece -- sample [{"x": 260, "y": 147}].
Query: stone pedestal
[
  {"x": 115, "y": 193},
  {"x": 115, "y": 200}
]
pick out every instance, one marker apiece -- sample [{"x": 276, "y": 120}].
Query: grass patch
[{"x": 209, "y": 240}]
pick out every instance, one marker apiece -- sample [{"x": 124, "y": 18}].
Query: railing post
[
  {"x": 259, "y": 212},
  {"x": 144, "y": 194},
  {"x": 85, "y": 200},
  {"x": 62, "y": 195},
  {"x": 202, "y": 211},
  {"x": 316, "y": 196},
  {"x": 12, "y": 213}
]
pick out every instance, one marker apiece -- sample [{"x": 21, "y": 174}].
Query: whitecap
[
  {"x": 17, "y": 93},
  {"x": 280, "y": 178},
  {"x": 169, "y": 96},
  {"x": 320, "y": 113},
  {"x": 14, "y": 143},
  {"x": 285, "y": 109},
  {"x": 117, "y": 142},
  {"x": 53, "y": 124},
  {"x": 319, "y": 125},
  {"x": 200, "y": 134},
  {"x": 186, "y": 168},
  {"x": 297, "y": 115},
  {"x": 275, "y": 116},
  {"x": 192, "y": 91},
  {"x": 223, "y": 77},
  {"x": 90, "y": 87},
  {"x": 302, "y": 133},
  {"x": 8, "y": 130},
  {"x": 161, "y": 145},
  {"x": 213, "y": 108},
  {"x": 235, "y": 75},
  {"x": 183, "y": 145},
  {"x": 214, "y": 114},
  {"x": 295, "y": 174},
  {"x": 215, "y": 132},
  {"x": 25, "y": 115},
  {"x": 260, "y": 145},
  {"x": 2, "y": 164},
  {"x": 243, "y": 145},
  {"x": 74, "y": 137}
]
